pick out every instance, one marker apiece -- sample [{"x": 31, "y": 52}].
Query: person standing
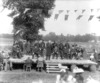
[
  {"x": 48, "y": 51},
  {"x": 61, "y": 48},
  {"x": 5, "y": 61},
  {"x": 10, "y": 65},
  {"x": 40, "y": 63}
]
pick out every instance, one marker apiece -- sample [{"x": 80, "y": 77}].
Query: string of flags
[{"x": 75, "y": 11}]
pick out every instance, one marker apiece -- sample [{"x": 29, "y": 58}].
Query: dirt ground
[{"x": 19, "y": 76}]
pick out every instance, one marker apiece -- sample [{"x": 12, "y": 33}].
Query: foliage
[
  {"x": 28, "y": 16},
  {"x": 71, "y": 38}
]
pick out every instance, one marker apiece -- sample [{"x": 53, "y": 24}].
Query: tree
[{"x": 28, "y": 16}]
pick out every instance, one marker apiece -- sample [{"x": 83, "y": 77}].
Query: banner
[
  {"x": 66, "y": 17},
  {"x": 79, "y": 17},
  {"x": 91, "y": 17}
]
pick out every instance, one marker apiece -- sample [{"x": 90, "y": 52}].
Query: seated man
[
  {"x": 78, "y": 75},
  {"x": 28, "y": 64}
]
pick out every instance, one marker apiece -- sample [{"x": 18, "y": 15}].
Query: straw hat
[
  {"x": 63, "y": 70},
  {"x": 62, "y": 67},
  {"x": 78, "y": 70}
]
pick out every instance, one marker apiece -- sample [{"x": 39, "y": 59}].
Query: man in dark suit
[{"x": 28, "y": 64}]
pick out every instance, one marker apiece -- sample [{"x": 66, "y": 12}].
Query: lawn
[{"x": 19, "y": 76}]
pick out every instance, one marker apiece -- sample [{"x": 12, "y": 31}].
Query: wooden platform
[
  {"x": 80, "y": 62},
  {"x": 52, "y": 65},
  {"x": 64, "y": 61}
]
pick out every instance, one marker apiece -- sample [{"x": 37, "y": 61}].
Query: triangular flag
[
  {"x": 83, "y": 10},
  {"x": 66, "y": 17},
  {"x": 79, "y": 17},
  {"x": 75, "y": 10},
  {"x": 91, "y": 17},
  {"x": 56, "y": 16},
  {"x": 98, "y": 17},
  {"x": 60, "y": 11},
  {"x": 67, "y": 11},
  {"x": 91, "y": 10},
  {"x": 98, "y": 10}
]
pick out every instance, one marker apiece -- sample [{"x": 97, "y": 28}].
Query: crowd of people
[
  {"x": 49, "y": 50},
  {"x": 43, "y": 50}
]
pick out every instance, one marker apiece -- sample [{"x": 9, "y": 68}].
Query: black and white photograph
[{"x": 49, "y": 41}]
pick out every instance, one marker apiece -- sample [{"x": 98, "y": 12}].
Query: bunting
[
  {"x": 79, "y": 17},
  {"x": 66, "y": 17},
  {"x": 60, "y": 11},
  {"x": 91, "y": 10},
  {"x": 83, "y": 10},
  {"x": 98, "y": 10},
  {"x": 91, "y": 17},
  {"x": 56, "y": 16},
  {"x": 98, "y": 18},
  {"x": 67, "y": 11},
  {"x": 75, "y": 10}
]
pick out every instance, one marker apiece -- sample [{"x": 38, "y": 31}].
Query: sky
[{"x": 60, "y": 26}]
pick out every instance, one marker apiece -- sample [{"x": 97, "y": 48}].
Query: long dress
[
  {"x": 40, "y": 62},
  {"x": 5, "y": 64}
]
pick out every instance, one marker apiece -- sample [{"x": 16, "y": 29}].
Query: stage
[
  {"x": 52, "y": 65},
  {"x": 64, "y": 61}
]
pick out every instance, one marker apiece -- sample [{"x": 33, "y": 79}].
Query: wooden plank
[
  {"x": 52, "y": 71},
  {"x": 52, "y": 65},
  {"x": 53, "y": 68}
]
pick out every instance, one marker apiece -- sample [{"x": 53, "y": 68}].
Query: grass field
[{"x": 19, "y": 76}]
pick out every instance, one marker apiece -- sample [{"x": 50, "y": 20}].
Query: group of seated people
[{"x": 50, "y": 50}]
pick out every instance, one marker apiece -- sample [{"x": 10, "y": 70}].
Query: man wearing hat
[{"x": 78, "y": 75}]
